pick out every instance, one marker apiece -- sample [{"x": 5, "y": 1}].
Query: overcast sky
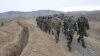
[{"x": 59, "y": 5}]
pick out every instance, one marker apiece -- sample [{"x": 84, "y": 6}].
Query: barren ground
[{"x": 24, "y": 38}]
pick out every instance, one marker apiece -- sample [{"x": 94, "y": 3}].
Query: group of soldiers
[{"x": 54, "y": 24}]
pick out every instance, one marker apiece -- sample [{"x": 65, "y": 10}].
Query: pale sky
[{"x": 59, "y": 5}]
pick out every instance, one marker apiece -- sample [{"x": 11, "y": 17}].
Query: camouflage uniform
[
  {"x": 56, "y": 25},
  {"x": 69, "y": 28},
  {"x": 82, "y": 26},
  {"x": 39, "y": 21},
  {"x": 49, "y": 24},
  {"x": 44, "y": 24}
]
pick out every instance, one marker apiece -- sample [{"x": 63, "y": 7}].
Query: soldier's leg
[
  {"x": 57, "y": 36},
  {"x": 83, "y": 42},
  {"x": 58, "y": 32},
  {"x": 80, "y": 36},
  {"x": 57, "y": 39},
  {"x": 69, "y": 45},
  {"x": 86, "y": 34},
  {"x": 44, "y": 28},
  {"x": 69, "y": 42},
  {"x": 49, "y": 30},
  {"x": 52, "y": 31},
  {"x": 71, "y": 38}
]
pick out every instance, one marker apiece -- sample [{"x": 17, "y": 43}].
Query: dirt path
[{"x": 77, "y": 49}]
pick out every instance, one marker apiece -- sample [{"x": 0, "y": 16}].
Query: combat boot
[
  {"x": 78, "y": 40},
  {"x": 86, "y": 35},
  {"x": 83, "y": 45},
  {"x": 69, "y": 48}
]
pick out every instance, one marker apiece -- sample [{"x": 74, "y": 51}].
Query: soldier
[
  {"x": 69, "y": 29},
  {"x": 49, "y": 24},
  {"x": 2, "y": 24},
  {"x": 41, "y": 22},
  {"x": 38, "y": 19},
  {"x": 56, "y": 25},
  {"x": 82, "y": 26}
]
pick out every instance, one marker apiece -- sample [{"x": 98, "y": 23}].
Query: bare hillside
[
  {"x": 28, "y": 40},
  {"x": 23, "y": 38}
]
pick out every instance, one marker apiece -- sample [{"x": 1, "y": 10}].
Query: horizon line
[{"x": 48, "y": 10}]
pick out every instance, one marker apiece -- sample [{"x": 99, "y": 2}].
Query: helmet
[
  {"x": 83, "y": 14},
  {"x": 69, "y": 13}
]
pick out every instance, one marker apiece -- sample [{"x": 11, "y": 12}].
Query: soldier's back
[
  {"x": 69, "y": 23},
  {"x": 56, "y": 23}
]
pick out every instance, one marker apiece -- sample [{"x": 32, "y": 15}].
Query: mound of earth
[{"x": 23, "y": 38}]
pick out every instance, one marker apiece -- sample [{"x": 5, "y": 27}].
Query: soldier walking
[
  {"x": 56, "y": 25},
  {"x": 83, "y": 26},
  {"x": 69, "y": 29}
]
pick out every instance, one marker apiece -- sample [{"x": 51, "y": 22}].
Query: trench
[
  {"x": 16, "y": 47},
  {"x": 24, "y": 36}
]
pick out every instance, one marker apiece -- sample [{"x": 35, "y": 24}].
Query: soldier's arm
[
  {"x": 87, "y": 25},
  {"x": 77, "y": 22}
]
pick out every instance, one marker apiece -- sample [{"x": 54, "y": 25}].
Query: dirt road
[{"x": 77, "y": 49}]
